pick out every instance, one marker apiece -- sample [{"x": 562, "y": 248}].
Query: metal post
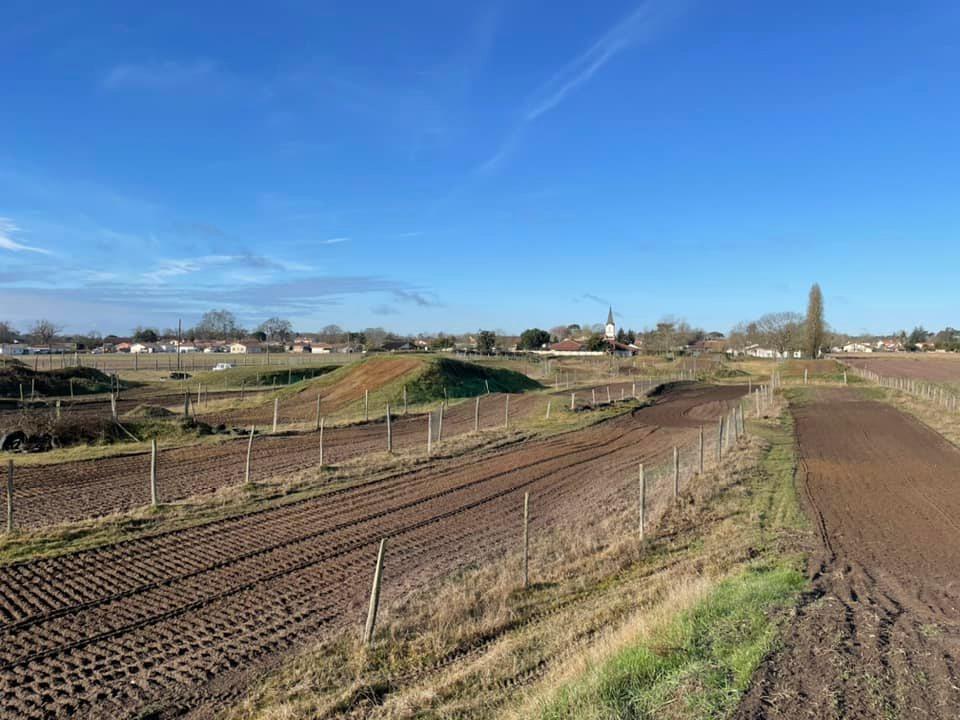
[
  {"x": 374, "y": 595},
  {"x": 276, "y": 410},
  {"x": 476, "y": 415}
]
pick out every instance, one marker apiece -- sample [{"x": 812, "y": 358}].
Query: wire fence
[{"x": 934, "y": 394}]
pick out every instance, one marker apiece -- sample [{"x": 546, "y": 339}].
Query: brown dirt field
[
  {"x": 933, "y": 368},
  {"x": 879, "y": 636},
  {"x": 52, "y": 494},
  {"x": 180, "y": 622}
]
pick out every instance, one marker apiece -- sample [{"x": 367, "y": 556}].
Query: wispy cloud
[
  {"x": 641, "y": 25},
  {"x": 595, "y": 298},
  {"x": 384, "y": 309},
  {"x": 334, "y": 241},
  {"x": 8, "y": 229},
  {"x": 416, "y": 298},
  {"x": 162, "y": 76},
  {"x": 168, "y": 269}
]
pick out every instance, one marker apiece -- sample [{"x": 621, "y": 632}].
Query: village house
[
  {"x": 245, "y": 348},
  {"x": 320, "y": 349},
  {"x": 857, "y": 347}
]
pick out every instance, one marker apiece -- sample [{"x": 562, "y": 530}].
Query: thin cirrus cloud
[
  {"x": 639, "y": 26},
  {"x": 334, "y": 241},
  {"x": 162, "y": 76},
  {"x": 8, "y": 228}
]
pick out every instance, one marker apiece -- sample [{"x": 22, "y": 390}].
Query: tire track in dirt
[
  {"x": 153, "y": 622},
  {"x": 879, "y": 635}
]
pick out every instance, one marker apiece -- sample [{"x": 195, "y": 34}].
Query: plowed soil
[
  {"x": 180, "y": 622},
  {"x": 934, "y": 368},
  {"x": 51, "y": 494},
  {"x": 879, "y": 637}
]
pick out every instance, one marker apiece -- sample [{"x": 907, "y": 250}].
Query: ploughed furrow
[
  {"x": 109, "y": 632},
  {"x": 81, "y": 490}
]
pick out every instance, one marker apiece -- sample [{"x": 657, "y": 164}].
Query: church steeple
[{"x": 610, "y": 331}]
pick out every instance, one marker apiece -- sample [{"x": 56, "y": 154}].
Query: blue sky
[{"x": 449, "y": 166}]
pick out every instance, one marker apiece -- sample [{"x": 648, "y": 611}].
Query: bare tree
[
  {"x": 44, "y": 331},
  {"x": 781, "y": 330},
  {"x": 331, "y": 334},
  {"x": 217, "y": 325},
  {"x": 7, "y": 333},
  {"x": 276, "y": 329}
]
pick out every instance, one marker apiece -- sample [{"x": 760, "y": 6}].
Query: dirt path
[
  {"x": 181, "y": 621},
  {"x": 880, "y": 636}
]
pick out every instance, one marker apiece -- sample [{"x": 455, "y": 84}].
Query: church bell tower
[{"x": 610, "y": 332}]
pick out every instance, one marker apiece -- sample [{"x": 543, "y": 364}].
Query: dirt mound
[
  {"x": 15, "y": 376},
  {"x": 729, "y": 372},
  {"x": 150, "y": 411}
]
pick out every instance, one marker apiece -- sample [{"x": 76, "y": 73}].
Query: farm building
[
  {"x": 245, "y": 348},
  {"x": 857, "y": 347}
]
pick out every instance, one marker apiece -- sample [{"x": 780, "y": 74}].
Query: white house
[
  {"x": 244, "y": 348},
  {"x": 142, "y": 348},
  {"x": 857, "y": 347},
  {"x": 320, "y": 349}
]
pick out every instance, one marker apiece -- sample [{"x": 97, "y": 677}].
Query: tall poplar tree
[{"x": 814, "y": 325}]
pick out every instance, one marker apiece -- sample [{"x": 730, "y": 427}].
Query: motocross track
[
  {"x": 181, "y": 622},
  {"x": 933, "y": 368},
  {"x": 51, "y": 494},
  {"x": 879, "y": 636}
]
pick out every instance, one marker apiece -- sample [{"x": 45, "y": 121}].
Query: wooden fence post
[
  {"x": 700, "y": 445},
  {"x": 429, "y": 431},
  {"x": 153, "y": 472},
  {"x": 608, "y": 395},
  {"x": 573, "y": 400},
  {"x": 366, "y": 404},
  {"x": 643, "y": 502},
  {"x": 321, "y": 441},
  {"x": 389, "y": 431},
  {"x": 374, "y": 595},
  {"x": 506, "y": 413},
  {"x": 10, "y": 496},
  {"x": 476, "y": 414},
  {"x": 58, "y": 408},
  {"x": 593, "y": 396},
  {"x": 720, "y": 440},
  {"x": 113, "y": 406},
  {"x": 440, "y": 425},
  {"x": 487, "y": 383},
  {"x": 549, "y": 403},
  {"x": 276, "y": 412},
  {"x": 317, "y": 426},
  {"x": 676, "y": 472},
  {"x": 526, "y": 540},
  {"x": 404, "y": 399},
  {"x": 246, "y": 470},
  {"x": 71, "y": 388}
]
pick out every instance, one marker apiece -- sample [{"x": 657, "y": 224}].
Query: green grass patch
[
  {"x": 703, "y": 659},
  {"x": 464, "y": 379}
]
